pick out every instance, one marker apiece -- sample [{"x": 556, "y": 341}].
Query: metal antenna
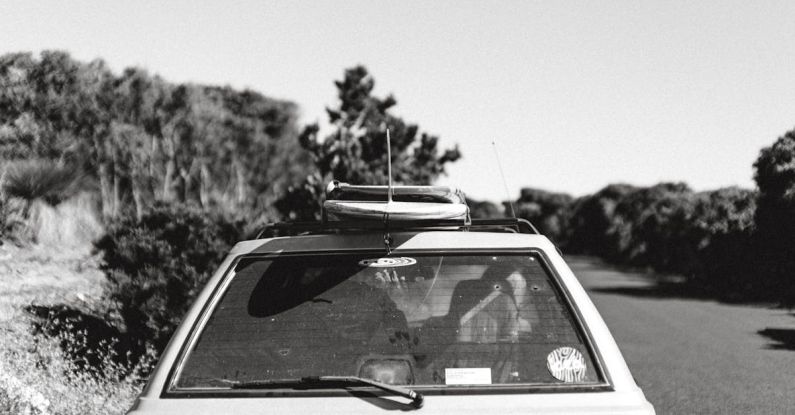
[
  {"x": 502, "y": 174},
  {"x": 387, "y": 237},
  {"x": 389, "y": 166}
]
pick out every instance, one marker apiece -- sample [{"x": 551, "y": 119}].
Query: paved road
[{"x": 696, "y": 356}]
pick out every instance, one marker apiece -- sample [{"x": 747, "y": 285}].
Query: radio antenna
[
  {"x": 387, "y": 237},
  {"x": 502, "y": 174},
  {"x": 389, "y": 166}
]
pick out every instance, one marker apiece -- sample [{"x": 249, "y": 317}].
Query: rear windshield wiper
[{"x": 330, "y": 381}]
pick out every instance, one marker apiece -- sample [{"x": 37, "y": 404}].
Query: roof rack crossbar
[{"x": 515, "y": 225}]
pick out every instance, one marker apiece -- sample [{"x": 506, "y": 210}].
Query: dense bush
[
  {"x": 484, "y": 209},
  {"x": 546, "y": 210},
  {"x": 775, "y": 216},
  {"x": 156, "y": 265},
  {"x": 705, "y": 237},
  {"x": 721, "y": 234},
  {"x": 650, "y": 228},
  {"x": 591, "y": 221},
  {"x": 140, "y": 138}
]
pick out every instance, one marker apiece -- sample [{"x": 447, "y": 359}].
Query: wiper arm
[{"x": 321, "y": 381}]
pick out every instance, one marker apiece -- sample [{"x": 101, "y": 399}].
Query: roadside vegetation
[
  {"x": 120, "y": 194},
  {"x": 731, "y": 244}
]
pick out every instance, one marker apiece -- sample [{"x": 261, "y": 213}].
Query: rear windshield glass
[{"x": 425, "y": 320}]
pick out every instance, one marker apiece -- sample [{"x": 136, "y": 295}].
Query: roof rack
[{"x": 512, "y": 225}]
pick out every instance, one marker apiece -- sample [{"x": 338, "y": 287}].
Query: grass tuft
[{"x": 41, "y": 179}]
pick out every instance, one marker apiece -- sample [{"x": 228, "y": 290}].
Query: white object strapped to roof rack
[{"x": 408, "y": 203}]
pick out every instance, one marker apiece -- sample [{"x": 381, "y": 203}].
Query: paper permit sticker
[
  {"x": 387, "y": 262},
  {"x": 467, "y": 376}
]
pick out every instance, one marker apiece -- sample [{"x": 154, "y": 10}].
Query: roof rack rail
[{"x": 514, "y": 225}]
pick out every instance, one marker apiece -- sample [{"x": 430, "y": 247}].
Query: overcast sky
[{"x": 576, "y": 94}]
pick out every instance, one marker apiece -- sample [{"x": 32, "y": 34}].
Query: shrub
[
  {"x": 775, "y": 216},
  {"x": 546, "y": 210},
  {"x": 484, "y": 209},
  {"x": 41, "y": 179},
  {"x": 591, "y": 219},
  {"x": 723, "y": 225},
  {"x": 650, "y": 227},
  {"x": 156, "y": 265},
  {"x": 705, "y": 237}
]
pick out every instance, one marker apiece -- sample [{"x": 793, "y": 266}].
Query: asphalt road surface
[{"x": 694, "y": 355}]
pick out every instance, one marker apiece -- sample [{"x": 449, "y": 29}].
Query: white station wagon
[{"x": 401, "y": 304}]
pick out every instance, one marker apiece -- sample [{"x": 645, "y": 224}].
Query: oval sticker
[
  {"x": 566, "y": 364},
  {"x": 387, "y": 262}
]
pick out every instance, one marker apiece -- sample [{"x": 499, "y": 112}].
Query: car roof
[{"x": 400, "y": 241}]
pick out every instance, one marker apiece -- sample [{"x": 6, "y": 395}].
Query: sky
[{"x": 574, "y": 94}]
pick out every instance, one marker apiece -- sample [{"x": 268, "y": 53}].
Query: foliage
[
  {"x": 37, "y": 377},
  {"x": 546, "y": 210},
  {"x": 355, "y": 151},
  {"x": 591, "y": 220},
  {"x": 484, "y": 209},
  {"x": 650, "y": 227},
  {"x": 156, "y": 265},
  {"x": 41, "y": 179},
  {"x": 722, "y": 236},
  {"x": 705, "y": 237},
  {"x": 775, "y": 216},
  {"x": 13, "y": 220},
  {"x": 143, "y": 139}
]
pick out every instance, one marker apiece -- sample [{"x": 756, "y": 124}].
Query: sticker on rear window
[
  {"x": 387, "y": 262},
  {"x": 566, "y": 364},
  {"x": 467, "y": 376}
]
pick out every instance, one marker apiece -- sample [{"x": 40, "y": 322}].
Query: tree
[
  {"x": 140, "y": 139},
  {"x": 721, "y": 233},
  {"x": 355, "y": 151},
  {"x": 484, "y": 209},
  {"x": 775, "y": 216},
  {"x": 650, "y": 227},
  {"x": 592, "y": 217},
  {"x": 546, "y": 210}
]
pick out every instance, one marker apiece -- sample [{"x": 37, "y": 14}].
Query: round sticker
[
  {"x": 387, "y": 262},
  {"x": 566, "y": 364}
]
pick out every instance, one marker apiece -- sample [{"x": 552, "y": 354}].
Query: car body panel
[{"x": 621, "y": 397}]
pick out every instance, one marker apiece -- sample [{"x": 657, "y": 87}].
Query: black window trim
[{"x": 171, "y": 391}]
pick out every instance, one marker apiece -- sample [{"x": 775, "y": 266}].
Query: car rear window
[{"x": 439, "y": 321}]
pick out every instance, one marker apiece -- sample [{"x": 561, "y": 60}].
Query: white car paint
[{"x": 624, "y": 396}]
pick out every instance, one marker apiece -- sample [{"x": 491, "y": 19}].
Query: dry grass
[
  {"x": 50, "y": 262},
  {"x": 35, "y": 378},
  {"x": 72, "y": 223},
  {"x": 33, "y": 179}
]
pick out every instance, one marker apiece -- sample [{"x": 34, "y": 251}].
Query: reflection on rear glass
[{"x": 433, "y": 320}]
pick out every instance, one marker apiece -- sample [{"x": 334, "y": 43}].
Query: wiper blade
[{"x": 325, "y": 381}]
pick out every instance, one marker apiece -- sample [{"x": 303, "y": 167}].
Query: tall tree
[
  {"x": 775, "y": 215},
  {"x": 355, "y": 151}
]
